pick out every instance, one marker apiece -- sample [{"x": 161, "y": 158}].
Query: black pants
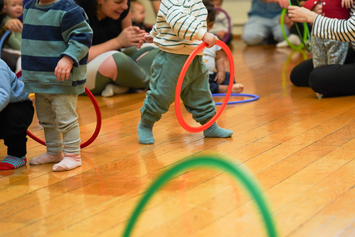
[
  {"x": 329, "y": 80},
  {"x": 14, "y": 122}
]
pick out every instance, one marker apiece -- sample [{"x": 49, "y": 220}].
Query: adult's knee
[
  {"x": 252, "y": 38},
  {"x": 300, "y": 73},
  {"x": 317, "y": 83}
]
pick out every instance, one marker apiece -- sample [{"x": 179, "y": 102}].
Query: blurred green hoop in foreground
[{"x": 206, "y": 161}]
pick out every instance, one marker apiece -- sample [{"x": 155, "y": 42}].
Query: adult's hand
[
  {"x": 131, "y": 36},
  {"x": 301, "y": 14},
  {"x": 14, "y": 25},
  {"x": 346, "y": 3},
  {"x": 283, "y": 3},
  {"x": 288, "y": 22}
]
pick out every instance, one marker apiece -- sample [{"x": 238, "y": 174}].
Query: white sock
[
  {"x": 46, "y": 158},
  {"x": 292, "y": 38},
  {"x": 70, "y": 161},
  {"x": 112, "y": 89}
]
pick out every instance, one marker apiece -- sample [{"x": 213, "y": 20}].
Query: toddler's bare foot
[{"x": 237, "y": 88}]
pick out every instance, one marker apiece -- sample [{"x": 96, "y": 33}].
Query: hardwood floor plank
[{"x": 300, "y": 150}]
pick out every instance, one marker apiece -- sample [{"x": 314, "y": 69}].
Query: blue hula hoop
[{"x": 253, "y": 97}]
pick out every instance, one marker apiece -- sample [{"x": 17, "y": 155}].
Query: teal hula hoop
[{"x": 205, "y": 161}]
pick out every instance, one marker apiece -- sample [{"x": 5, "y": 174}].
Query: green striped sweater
[{"x": 49, "y": 32}]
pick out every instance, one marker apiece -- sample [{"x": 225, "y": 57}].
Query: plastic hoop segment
[
  {"x": 226, "y": 37},
  {"x": 305, "y": 32},
  {"x": 253, "y": 97},
  {"x": 181, "y": 79},
  {"x": 204, "y": 161},
  {"x": 98, "y": 120}
]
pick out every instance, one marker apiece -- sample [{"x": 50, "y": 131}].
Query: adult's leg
[
  {"x": 276, "y": 29},
  {"x": 129, "y": 73},
  {"x": 333, "y": 80},
  {"x": 145, "y": 59},
  {"x": 256, "y": 30},
  {"x": 300, "y": 73}
]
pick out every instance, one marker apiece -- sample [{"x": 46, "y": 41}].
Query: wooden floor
[{"x": 300, "y": 149}]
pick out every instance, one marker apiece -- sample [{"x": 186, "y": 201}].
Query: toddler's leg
[
  {"x": 215, "y": 131},
  {"x": 145, "y": 133},
  {"x": 12, "y": 162},
  {"x": 70, "y": 161},
  {"x": 68, "y": 125},
  {"x": 161, "y": 94},
  {"x": 47, "y": 158},
  {"x": 15, "y": 118}
]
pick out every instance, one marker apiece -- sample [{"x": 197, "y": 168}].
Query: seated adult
[
  {"x": 111, "y": 71},
  {"x": 11, "y": 59},
  {"x": 327, "y": 80},
  {"x": 263, "y": 25}
]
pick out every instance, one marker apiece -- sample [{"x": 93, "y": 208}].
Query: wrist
[
  {"x": 117, "y": 45},
  {"x": 312, "y": 16}
]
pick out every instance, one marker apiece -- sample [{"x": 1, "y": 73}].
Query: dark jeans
[
  {"x": 14, "y": 122},
  {"x": 329, "y": 80},
  {"x": 214, "y": 87}
]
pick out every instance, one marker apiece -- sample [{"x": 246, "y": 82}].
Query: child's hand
[
  {"x": 346, "y": 3},
  {"x": 209, "y": 39},
  {"x": 14, "y": 25},
  {"x": 220, "y": 78},
  {"x": 63, "y": 68},
  {"x": 148, "y": 38}
]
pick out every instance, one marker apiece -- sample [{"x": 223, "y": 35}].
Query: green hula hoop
[
  {"x": 205, "y": 161},
  {"x": 305, "y": 33}
]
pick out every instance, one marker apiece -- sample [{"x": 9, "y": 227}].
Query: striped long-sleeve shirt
[
  {"x": 341, "y": 30},
  {"x": 49, "y": 32},
  {"x": 180, "y": 26}
]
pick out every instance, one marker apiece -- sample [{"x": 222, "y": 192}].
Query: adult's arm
[
  {"x": 323, "y": 27},
  {"x": 130, "y": 36}
]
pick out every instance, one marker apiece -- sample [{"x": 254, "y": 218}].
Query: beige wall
[{"x": 236, "y": 9}]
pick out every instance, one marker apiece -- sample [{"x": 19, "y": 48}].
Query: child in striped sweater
[
  {"x": 180, "y": 27},
  {"x": 56, "y": 38}
]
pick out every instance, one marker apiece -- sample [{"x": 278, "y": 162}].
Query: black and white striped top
[
  {"x": 180, "y": 25},
  {"x": 341, "y": 30}
]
